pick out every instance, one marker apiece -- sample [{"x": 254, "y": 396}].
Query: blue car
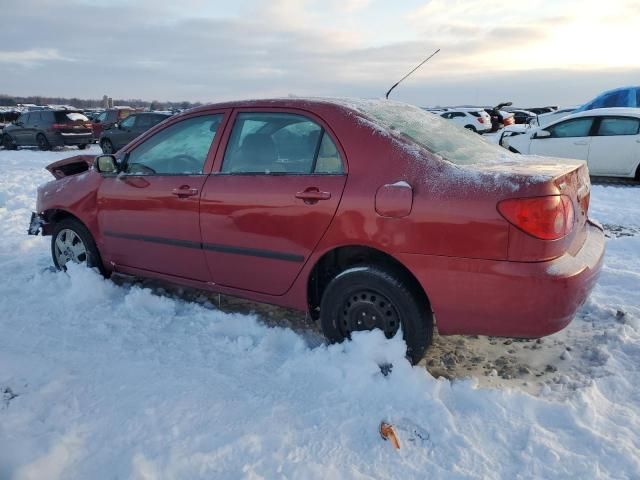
[{"x": 618, "y": 97}]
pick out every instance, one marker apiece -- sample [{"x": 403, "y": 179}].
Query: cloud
[
  {"x": 209, "y": 51},
  {"x": 32, "y": 57}
]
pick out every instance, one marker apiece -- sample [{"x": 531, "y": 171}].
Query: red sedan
[{"x": 367, "y": 214}]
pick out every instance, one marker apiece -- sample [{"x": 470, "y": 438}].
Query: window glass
[
  {"x": 578, "y": 127},
  {"x": 180, "y": 149},
  {"x": 272, "y": 143},
  {"x": 329, "y": 160},
  {"x": 637, "y": 97},
  {"x": 145, "y": 121},
  {"x": 128, "y": 122},
  {"x": 24, "y": 118},
  {"x": 34, "y": 118},
  {"x": 618, "y": 126},
  {"x": 619, "y": 98},
  {"x": 102, "y": 117}
]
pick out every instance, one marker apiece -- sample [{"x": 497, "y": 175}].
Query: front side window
[
  {"x": 180, "y": 149},
  {"x": 23, "y": 119},
  {"x": 128, "y": 122},
  {"x": 102, "y": 117},
  {"x": 578, "y": 127},
  {"x": 265, "y": 143},
  {"x": 618, "y": 126}
]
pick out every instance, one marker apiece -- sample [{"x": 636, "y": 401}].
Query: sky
[{"x": 533, "y": 52}]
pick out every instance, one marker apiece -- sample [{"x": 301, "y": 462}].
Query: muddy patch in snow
[{"x": 531, "y": 365}]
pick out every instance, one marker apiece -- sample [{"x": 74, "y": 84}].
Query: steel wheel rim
[
  {"x": 69, "y": 247},
  {"x": 368, "y": 310}
]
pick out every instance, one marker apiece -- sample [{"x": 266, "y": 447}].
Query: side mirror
[
  {"x": 106, "y": 164},
  {"x": 542, "y": 134}
]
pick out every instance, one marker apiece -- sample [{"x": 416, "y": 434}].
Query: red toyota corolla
[{"x": 368, "y": 214}]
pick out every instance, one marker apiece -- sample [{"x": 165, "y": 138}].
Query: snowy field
[{"x": 104, "y": 380}]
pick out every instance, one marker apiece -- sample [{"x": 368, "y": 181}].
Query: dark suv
[
  {"x": 48, "y": 128},
  {"x": 123, "y": 132}
]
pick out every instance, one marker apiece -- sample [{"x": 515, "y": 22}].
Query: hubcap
[
  {"x": 366, "y": 310},
  {"x": 69, "y": 248}
]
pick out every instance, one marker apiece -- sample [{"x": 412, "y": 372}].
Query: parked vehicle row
[
  {"x": 48, "y": 128},
  {"x": 251, "y": 199}
]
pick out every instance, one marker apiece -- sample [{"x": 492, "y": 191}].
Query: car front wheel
[
  {"x": 72, "y": 242},
  {"x": 43, "y": 143},
  {"x": 8, "y": 143},
  {"x": 368, "y": 297},
  {"x": 107, "y": 146}
]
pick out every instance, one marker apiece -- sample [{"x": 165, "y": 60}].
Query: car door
[
  {"x": 615, "y": 148},
  {"x": 569, "y": 139},
  {"x": 277, "y": 188},
  {"x": 124, "y": 132},
  {"x": 20, "y": 129},
  {"x": 148, "y": 214}
]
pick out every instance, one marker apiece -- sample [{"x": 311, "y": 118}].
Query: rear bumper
[
  {"x": 70, "y": 138},
  {"x": 511, "y": 299}
]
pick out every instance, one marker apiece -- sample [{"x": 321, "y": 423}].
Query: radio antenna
[{"x": 419, "y": 65}]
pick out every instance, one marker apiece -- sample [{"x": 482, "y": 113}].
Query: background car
[
  {"x": 121, "y": 133},
  {"x": 474, "y": 119},
  {"x": 522, "y": 117},
  {"x": 618, "y": 97},
  {"x": 367, "y": 214},
  {"x": 608, "y": 139},
  {"x": 48, "y": 128},
  {"x": 108, "y": 118}
]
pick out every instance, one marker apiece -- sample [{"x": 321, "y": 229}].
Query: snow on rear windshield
[
  {"x": 439, "y": 136},
  {"x": 70, "y": 116}
]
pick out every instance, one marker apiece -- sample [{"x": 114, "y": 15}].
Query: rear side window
[
  {"x": 64, "y": 117},
  {"x": 578, "y": 127},
  {"x": 180, "y": 149},
  {"x": 618, "y": 126},
  {"x": 284, "y": 143}
]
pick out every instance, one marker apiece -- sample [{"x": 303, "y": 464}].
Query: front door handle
[
  {"x": 580, "y": 142},
  {"x": 312, "y": 195},
  {"x": 185, "y": 191}
]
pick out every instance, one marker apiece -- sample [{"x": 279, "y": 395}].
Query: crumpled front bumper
[{"x": 36, "y": 224}]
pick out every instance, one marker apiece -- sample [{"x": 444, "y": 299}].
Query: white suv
[{"x": 475, "y": 119}]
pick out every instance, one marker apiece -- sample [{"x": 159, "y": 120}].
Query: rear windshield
[
  {"x": 63, "y": 117},
  {"x": 453, "y": 143}
]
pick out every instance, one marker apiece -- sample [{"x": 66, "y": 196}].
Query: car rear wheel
[
  {"x": 367, "y": 297},
  {"x": 471, "y": 127},
  {"x": 72, "y": 242},
  {"x": 107, "y": 146},
  {"x": 82, "y": 146},
  {"x": 8, "y": 143},
  {"x": 42, "y": 142}
]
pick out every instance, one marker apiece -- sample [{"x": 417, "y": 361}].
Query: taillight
[
  {"x": 88, "y": 125},
  {"x": 547, "y": 218},
  {"x": 481, "y": 120},
  {"x": 58, "y": 126}
]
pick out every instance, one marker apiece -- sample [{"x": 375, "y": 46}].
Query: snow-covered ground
[{"x": 117, "y": 381}]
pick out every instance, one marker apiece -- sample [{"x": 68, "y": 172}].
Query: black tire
[
  {"x": 83, "y": 146},
  {"x": 8, "y": 143},
  {"x": 91, "y": 258},
  {"x": 107, "y": 146},
  {"x": 471, "y": 127},
  {"x": 366, "y": 297},
  {"x": 42, "y": 142}
]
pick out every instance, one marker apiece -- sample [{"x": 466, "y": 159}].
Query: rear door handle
[
  {"x": 312, "y": 195},
  {"x": 185, "y": 191},
  {"x": 580, "y": 142}
]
